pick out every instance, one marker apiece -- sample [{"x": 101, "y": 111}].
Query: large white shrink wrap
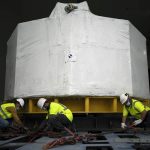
[{"x": 76, "y": 53}]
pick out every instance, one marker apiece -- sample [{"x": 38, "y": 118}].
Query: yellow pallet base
[{"x": 82, "y": 104}]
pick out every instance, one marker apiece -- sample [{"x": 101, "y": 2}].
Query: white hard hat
[
  {"x": 21, "y": 101},
  {"x": 123, "y": 98},
  {"x": 41, "y": 102}
]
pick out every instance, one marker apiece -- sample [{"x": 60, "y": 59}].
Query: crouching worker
[
  {"x": 8, "y": 114},
  {"x": 136, "y": 109},
  {"x": 58, "y": 116}
]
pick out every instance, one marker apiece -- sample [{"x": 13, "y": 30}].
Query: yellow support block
[
  {"x": 82, "y": 104},
  {"x": 87, "y": 101},
  {"x": 114, "y": 103},
  {"x": 30, "y": 106}
]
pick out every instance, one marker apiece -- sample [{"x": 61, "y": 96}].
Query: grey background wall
[{"x": 13, "y": 12}]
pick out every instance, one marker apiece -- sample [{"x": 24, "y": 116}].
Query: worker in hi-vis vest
[
  {"x": 8, "y": 114},
  {"x": 58, "y": 116},
  {"x": 134, "y": 108}
]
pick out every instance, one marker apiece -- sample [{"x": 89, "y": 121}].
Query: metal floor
[{"x": 107, "y": 141}]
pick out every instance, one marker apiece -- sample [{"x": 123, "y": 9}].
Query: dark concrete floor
[{"x": 109, "y": 140}]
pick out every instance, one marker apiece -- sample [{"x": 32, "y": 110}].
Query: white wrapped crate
[{"x": 76, "y": 53}]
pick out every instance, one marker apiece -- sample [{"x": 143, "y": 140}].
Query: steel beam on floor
[
  {"x": 12, "y": 139},
  {"x": 12, "y": 145}
]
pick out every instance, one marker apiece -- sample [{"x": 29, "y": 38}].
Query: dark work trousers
[
  {"x": 59, "y": 121},
  {"x": 146, "y": 121},
  {"x": 3, "y": 123}
]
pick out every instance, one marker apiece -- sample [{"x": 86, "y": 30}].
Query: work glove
[
  {"x": 26, "y": 129},
  {"x": 123, "y": 125},
  {"x": 136, "y": 122},
  {"x": 23, "y": 129}
]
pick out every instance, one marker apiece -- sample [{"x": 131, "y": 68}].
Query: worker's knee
[{"x": 4, "y": 124}]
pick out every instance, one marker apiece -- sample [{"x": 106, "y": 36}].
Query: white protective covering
[{"x": 77, "y": 53}]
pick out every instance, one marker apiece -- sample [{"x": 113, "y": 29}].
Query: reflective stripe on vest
[
  {"x": 57, "y": 108},
  {"x": 136, "y": 108},
  {"x": 4, "y": 113},
  {"x": 1, "y": 111},
  {"x": 61, "y": 112}
]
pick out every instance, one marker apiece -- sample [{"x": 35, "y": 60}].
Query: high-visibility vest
[
  {"x": 135, "y": 109},
  {"x": 3, "y": 111},
  {"x": 57, "y": 108}
]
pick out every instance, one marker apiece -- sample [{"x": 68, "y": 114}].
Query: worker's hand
[
  {"x": 23, "y": 129},
  {"x": 136, "y": 122},
  {"x": 123, "y": 125},
  {"x": 26, "y": 129}
]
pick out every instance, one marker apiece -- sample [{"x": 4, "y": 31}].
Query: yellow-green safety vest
[
  {"x": 3, "y": 111},
  {"x": 57, "y": 108},
  {"x": 135, "y": 109}
]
